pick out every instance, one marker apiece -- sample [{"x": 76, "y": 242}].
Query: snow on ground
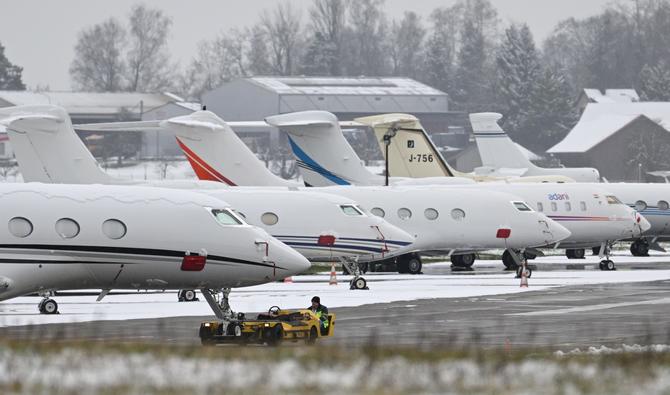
[{"x": 384, "y": 288}]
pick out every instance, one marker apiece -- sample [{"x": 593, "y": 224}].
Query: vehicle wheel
[
  {"x": 48, "y": 306},
  {"x": 596, "y": 251},
  {"x": 508, "y": 261},
  {"x": 234, "y": 329},
  {"x": 313, "y": 335},
  {"x": 519, "y": 270},
  {"x": 276, "y": 335},
  {"x": 359, "y": 283},
  {"x": 414, "y": 265}
]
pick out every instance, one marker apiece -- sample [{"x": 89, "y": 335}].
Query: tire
[
  {"x": 465, "y": 260},
  {"x": 313, "y": 335},
  {"x": 414, "y": 265},
  {"x": 358, "y": 283},
  {"x": 578, "y": 253},
  {"x": 508, "y": 261},
  {"x": 529, "y": 255},
  {"x": 639, "y": 248},
  {"x": 609, "y": 265},
  {"x": 49, "y": 306},
  {"x": 188, "y": 295},
  {"x": 402, "y": 264},
  {"x": 596, "y": 251}
]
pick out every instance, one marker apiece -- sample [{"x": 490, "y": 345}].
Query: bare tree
[
  {"x": 258, "y": 53},
  {"x": 406, "y": 45},
  {"x": 98, "y": 64},
  {"x": 328, "y": 24},
  {"x": 368, "y": 32},
  {"x": 283, "y": 34},
  {"x": 149, "y": 67}
]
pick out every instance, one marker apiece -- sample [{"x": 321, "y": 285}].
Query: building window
[
  {"x": 67, "y": 228},
  {"x": 20, "y": 227},
  {"x": 114, "y": 229}
]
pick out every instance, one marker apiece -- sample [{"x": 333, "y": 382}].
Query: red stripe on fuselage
[{"x": 201, "y": 168}]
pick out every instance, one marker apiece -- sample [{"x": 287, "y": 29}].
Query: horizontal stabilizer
[
  {"x": 486, "y": 122},
  {"x": 119, "y": 126}
]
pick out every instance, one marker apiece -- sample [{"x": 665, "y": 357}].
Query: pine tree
[
  {"x": 472, "y": 85},
  {"x": 10, "y": 74},
  {"x": 655, "y": 83},
  {"x": 438, "y": 67},
  {"x": 518, "y": 70},
  {"x": 320, "y": 57}
]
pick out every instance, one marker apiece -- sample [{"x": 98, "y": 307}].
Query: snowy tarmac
[{"x": 561, "y": 307}]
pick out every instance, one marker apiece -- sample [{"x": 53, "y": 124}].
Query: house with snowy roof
[
  {"x": 610, "y": 96},
  {"x": 613, "y": 136}
]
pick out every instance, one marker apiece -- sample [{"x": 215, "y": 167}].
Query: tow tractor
[{"x": 271, "y": 328}]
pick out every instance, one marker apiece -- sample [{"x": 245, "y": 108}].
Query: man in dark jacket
[{"x": 320, "y": 311}]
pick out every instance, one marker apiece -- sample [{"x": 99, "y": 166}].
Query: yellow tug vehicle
[{"x": 272, "y": 328}]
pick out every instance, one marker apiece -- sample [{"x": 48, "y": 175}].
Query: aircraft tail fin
[
  {"x": 411, "y": 151},
  {"x": 47, "y": 148},
  {"x": 324, "y": 156},
  {"x": 496, "y": 149}
]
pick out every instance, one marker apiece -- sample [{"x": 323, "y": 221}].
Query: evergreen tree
[
  {"x": 472, "y": 85},
  {"x": 320, "y": 57},
  {"x": 517, "y": 72},
  {"x": 655, "y": 83},
  {"x": 440, "y": 50},
  {"x": 10, "y": 74}
]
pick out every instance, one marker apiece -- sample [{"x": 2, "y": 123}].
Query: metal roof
[
  {"x": 90, "y": 103},
  {"x": 345, "y": 86}
]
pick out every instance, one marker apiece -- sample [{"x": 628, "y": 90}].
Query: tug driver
[{"x": 320, "y": 311}]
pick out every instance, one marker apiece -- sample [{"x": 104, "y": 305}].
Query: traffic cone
[
  {"x": 288, "y": 279},
  {"x": 524, "y": 278},
  {"x": 333, "y": 275}
]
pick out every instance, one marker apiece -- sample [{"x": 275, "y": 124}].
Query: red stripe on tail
[{"x": 201, "y": 168}]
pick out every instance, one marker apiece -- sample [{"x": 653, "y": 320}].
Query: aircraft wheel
[
  {"x": 519, "y": 270},
  {"x": 607, "y": 264},
  {"x": 464, "y": 260},
  {"x": 414, "y": 265},
  {"x": 508, "y": 261},
  {"x": 188, "y": 295},
  {"x": 529, "y": 255},
  {"x": 48, "y": 306},
  {"x": 359, "y": 283},
  {"x": 639, "y": 248},
  {"x": 577, "y": 253},
  {"x": 596, "y": 251}
]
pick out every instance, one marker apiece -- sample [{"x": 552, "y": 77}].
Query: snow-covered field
[{"x": 384, "y": 288}]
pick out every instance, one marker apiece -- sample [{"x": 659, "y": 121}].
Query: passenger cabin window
[
  {"x": 378, "y": 212},
  {"x": 269, "y": 219},
  {"x": 404, "y": 213},
  {"x": 521, "y": 206},
  {"x": 226, "y": 217},
  {"x": 554, "y": 206},
  {"x": 582, "y": 206},
  {"x": 351, "y": 210},
  {"x": 457, "y": 214},
  {"x": 611, "y": 199},
  {"x": 540, "y": 207},
  {"x": 114, "y": 229},
  {"x": 568, "y": 206},
  {"x": 67, "y": 228},
  {"x": 20, "y": 227},
  {"x": 431, "y": 214}
]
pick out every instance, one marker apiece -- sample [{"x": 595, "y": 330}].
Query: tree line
[{"x": 464, "y": 50}]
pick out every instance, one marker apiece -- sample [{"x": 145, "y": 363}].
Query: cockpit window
[
  {"x": 226, "y": 217},
  {"x": 611, "y": 199},
  {"x": 521, "y": 206},
  {"x": 351, "y": 210}
]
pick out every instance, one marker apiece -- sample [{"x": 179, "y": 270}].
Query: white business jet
[
  {"x": 501, "y": 155},
  {"x": 317, "y": 225},
  {"x": 66, "y": 237},
  {"x": 649, "y": 199},
  {"x": 442, "y": 221},
  {"x": 595, "y": 217}
]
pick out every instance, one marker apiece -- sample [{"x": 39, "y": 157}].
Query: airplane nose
[
  {"x": 558, "y": 231},
  {"x": 286, "y": 257}
]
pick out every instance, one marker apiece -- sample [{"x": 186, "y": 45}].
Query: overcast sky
[{"x": 40, "y": 35}]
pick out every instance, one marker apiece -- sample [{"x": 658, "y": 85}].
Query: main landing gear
[
  {"x": 352, "y": 266},
  {"x": 463, "y": 261},
  {"x": 576, "y": 253},
  {"x": 218, "y": 300},
  {"x": 607, "y": 263},
  {"x": 48, "y": 305},
  {"x": 640, "y": 247},
  {"x": 187, "y": 295},
  {"x": 409, "y": 263}
]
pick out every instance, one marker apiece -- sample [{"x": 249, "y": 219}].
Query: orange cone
[
  {"x": 524, "y": 278},
  {"x": 333, "y": 275}
]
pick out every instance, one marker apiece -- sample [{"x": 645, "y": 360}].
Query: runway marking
[{"x": 594, "y": 307}]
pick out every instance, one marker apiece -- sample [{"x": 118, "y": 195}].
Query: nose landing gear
[
  {"x": 352, "y": 266},
  {"x": 607, "y": 263},
  {"x": 48, "y": 306}
]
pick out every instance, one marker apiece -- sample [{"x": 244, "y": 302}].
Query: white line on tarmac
[{"x": 595, "y": 307}]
